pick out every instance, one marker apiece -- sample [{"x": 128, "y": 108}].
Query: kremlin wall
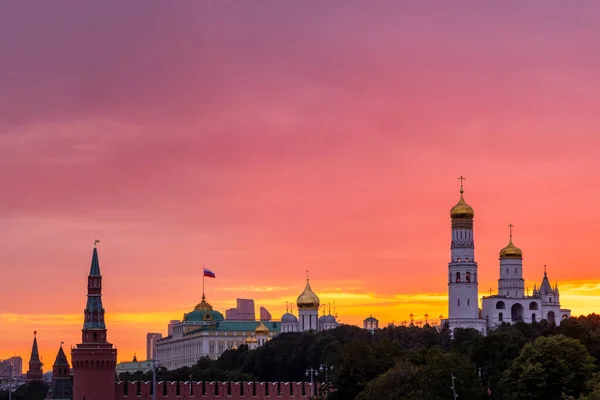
[{"x": 214, "y": 390}]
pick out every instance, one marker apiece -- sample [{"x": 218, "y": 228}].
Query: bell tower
[
  {"x": 94, "y": 359},
  {"x": 463, "y": 301}
]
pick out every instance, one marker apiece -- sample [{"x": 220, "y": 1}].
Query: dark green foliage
[
  {"x": 35, "y": 390},
  {"x": 521, "y": 361},
  {"x": 550, "y": 368}
]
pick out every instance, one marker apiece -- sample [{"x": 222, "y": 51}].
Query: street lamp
[
  {"x": 326, "y": 368},
  {"x": 312, "y": 372},
  {"x": 10, "y": 381},
  {"x": 153, "y": 377}
]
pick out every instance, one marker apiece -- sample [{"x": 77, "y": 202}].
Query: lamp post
[
  {"x": 10, "y": 381},
  {"x": 453, "y": 387},
  {"x": 312, "y": 372},
  {"x": 326, "y": 368},
  {"x": 153, "y": 361}
]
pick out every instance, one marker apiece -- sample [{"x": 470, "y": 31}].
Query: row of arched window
[
  {"x": 467, "y": 277},
  {"x": 501, "y": 305},
  {"x": 92, "y": 364}
]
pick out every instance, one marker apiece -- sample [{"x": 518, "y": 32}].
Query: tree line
[{"x": 514, "y": 362}]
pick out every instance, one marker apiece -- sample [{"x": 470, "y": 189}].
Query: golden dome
[
  {"x": 203, "y": 305},
  {"x": 511, "y": 251},
  {"x": 251, "y": 339},
  {"x": 462, "y": 210},
  {"x": 308, "y": 300},
  {"x": 261, "y": 329}
]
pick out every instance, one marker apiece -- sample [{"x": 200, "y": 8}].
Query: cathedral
[{"x": 510, "y": 304}]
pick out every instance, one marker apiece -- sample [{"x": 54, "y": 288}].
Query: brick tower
[
  {"x": 62, "y": 387},
  {"x": 94, "y": 359},
  {"x": 35, "y": 365}
]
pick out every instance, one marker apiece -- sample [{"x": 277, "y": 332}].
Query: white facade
[
  {"x": 463, "y": 304},
  {"x": 205, "y": 333}
]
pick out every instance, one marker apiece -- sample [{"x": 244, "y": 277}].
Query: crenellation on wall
[{"x": 214, "y": 390}]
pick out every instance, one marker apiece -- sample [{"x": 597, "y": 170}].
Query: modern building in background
[
  {"x": 243, "y": 312},
  {"x": 170, "y": 326},
  {"x": 17, "y": 367},
  {"x": 265, "y": 315},
  {"x": 94, "y": 359},
  {"x": 151, "y": 339}
]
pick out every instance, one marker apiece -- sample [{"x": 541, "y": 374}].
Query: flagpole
[{"x": 203, "y": 282}]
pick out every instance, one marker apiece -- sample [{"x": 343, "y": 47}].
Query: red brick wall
[{"x": 214, "y": 390}]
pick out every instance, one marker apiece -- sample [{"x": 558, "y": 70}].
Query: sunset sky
[{"x": 265, "y": 138}]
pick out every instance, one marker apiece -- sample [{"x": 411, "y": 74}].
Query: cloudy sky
[{"x": 263, "y": 139}]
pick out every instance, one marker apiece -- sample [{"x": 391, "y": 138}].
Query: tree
[
  {"x": 426, "y": 374},
  {"x": 550, "y": 368}
]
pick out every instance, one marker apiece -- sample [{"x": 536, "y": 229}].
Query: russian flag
[{"x": 208, "y": 273}]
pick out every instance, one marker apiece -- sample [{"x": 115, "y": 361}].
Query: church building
[{"x": 510, "y": 304}]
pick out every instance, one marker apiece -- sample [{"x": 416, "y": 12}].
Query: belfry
[{"x": 463, "y": 304}]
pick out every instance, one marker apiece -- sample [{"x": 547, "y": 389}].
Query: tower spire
[
  {"x": 94, "y": 311},
  {"x": 35, "y": 372}
]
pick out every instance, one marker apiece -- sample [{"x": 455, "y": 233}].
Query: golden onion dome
[
  {"x": 261, "y": 329},
  {"x": 251, "y": 339},
  {"x": 511, "y": 251},
  {"x": 462, "y": 210},
  {"x": 308, "y": 300}
]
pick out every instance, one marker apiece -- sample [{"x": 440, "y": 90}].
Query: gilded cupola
[
  {"x": 261, "y": 329},
  {"x": 308, "y": 300},
  {"x": 462, "y": 210},
  {"x": 511, "y": 251}
]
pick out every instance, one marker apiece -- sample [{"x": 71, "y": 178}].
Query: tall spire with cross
[{"x": 463, "y": 295}]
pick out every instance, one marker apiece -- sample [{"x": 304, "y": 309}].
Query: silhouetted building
[
  {"x": 35, "y": 372},
  {"x": 170, "y": 326},
  {"x": 371, "y": 324},
  {"x": 17, "y": 367},
  {"x": 151, "y": 339},
  {"x": 61, "y": 386},
  {"x": 265, "y": 315},
  {"x": 243, "y": 312},
  {"x": 94, "y": 359}
]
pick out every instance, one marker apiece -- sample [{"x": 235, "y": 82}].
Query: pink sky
[{"x": 265, "y": 138}]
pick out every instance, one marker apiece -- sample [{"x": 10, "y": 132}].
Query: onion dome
[
  {"x": 327, "y": 319},
  {"x": 261, "y": 329},
  {"x": 251, "y": 339},
  {"x": 462, "y": 210},
  {"x": 511, "y": 251},
  {"x": 308, "y": 300},
  {"x": 288, "y": 318}
]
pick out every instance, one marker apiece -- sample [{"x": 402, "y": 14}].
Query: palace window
[
  {"x": 459, "y": 302},
  {"x": 468, "y": 277},
  {"x": 458, "y": 278}
]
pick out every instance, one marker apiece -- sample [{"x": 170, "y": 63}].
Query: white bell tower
[{"x": 463, "y": 298}]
